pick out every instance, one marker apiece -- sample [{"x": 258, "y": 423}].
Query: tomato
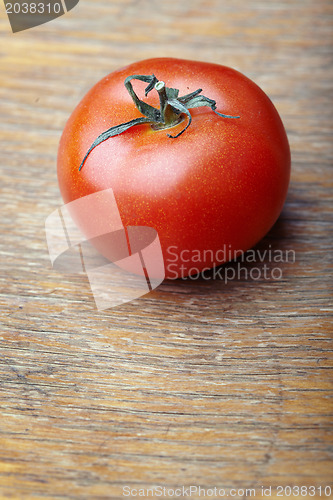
[{"x": 215, "y": 189}]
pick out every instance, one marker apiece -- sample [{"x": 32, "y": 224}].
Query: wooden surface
[{"x": 197, "y": 383}]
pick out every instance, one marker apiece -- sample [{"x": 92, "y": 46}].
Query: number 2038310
[
  {"x": 33, "y": 8},
  {"x": 303, "y": 491}
]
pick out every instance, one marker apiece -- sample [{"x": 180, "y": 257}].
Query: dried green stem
[{"x": 172, "y": 109}]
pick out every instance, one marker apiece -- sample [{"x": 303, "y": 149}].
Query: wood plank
[{"x": 201, "y": 382}]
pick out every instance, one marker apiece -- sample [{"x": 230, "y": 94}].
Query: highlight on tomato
[{"x": 194, "y": 150}]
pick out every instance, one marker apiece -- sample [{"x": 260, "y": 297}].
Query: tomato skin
[{"x": 221, "y": 184}]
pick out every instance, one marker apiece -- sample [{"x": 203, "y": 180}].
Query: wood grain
[{"x": 199, "y": 382}]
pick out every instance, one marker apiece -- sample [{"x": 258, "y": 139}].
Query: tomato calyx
[{"x": 172, "y": 109}]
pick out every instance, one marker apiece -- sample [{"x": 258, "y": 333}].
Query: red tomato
[{"x": 219, "y": 185}]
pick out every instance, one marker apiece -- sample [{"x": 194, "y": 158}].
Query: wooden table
[{"x": 199, "y": 382}]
